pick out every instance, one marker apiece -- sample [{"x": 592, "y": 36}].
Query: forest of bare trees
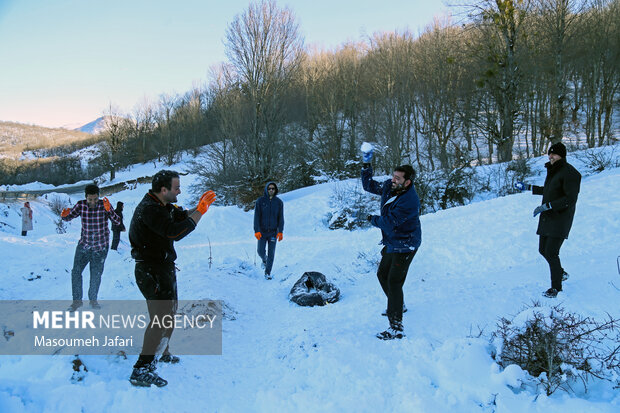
[{"x": 501, "y": 80}]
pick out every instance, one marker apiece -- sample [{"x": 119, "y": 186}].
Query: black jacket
[
  {"x": 120, "y": 227},
  {"x": 560, "y": 191},
  {"x": 154, "y": 228}
]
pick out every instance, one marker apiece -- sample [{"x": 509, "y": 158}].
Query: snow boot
[
  {"x": 145, "y": 376},
  {"x": 268, "y": 276},
  {"x": 169, "y": 358},
  {"x": 94, "y": 304},
  {"x": 384, "y": 314},
  {"x": 551, "y": 293},
  {"x": 394, "y": 332}
]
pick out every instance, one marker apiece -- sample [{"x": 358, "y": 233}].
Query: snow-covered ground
[{"x": 476, "y": 263}]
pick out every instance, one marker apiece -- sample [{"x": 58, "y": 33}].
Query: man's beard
[{"x": 398, "y": 188}]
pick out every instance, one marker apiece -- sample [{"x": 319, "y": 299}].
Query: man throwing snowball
[
  {"x": 401, "y": 235},
  {"x": 155, "y": 225}
]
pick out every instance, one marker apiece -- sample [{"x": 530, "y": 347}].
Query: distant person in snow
[
  {"x": 155, "y": 225},
  {"x": 117, "y": 229},
  {"x": 94, "y": 242},
  {"x": 268, "y": 225},
  {"x": 401, "y": 236},
  {"x": 559, "y": 198},
  {"x": 26, "y": 218}
]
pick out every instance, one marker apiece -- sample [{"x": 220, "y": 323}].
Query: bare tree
[
  {"x": 558, "y": 26},
  {"x": 597, "y": 71},
  {"x": 438, "y": 74},
  {"x": 265, "y": 52},
  {"x": 388, "y": 76},
  {"x": 115, "y": 132},
  {"x": 502, "y": 26}
]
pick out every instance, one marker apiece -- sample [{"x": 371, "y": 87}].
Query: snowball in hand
[{"x": 366, "y": 147}]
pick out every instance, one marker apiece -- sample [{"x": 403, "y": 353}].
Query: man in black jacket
[
  {"x": 155, "y": 225},
  {"x": 556, "y": 211}
]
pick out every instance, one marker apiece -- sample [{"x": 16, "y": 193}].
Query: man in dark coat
[
  {"x": 117, "y": 229},
  {"x": 401, "y": 236},
  {"x": 155, "y": 225},
  {"x": 268, "y": 225},
  {"x": 556, "y": 211}
]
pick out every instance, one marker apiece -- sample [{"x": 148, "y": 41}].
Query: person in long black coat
[
  {"x": 117, "y": 229},
  {"x": 557, "y": 210}
]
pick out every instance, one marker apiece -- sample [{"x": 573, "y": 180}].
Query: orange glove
[
  {"x": 258, "y": 235},
  {"x": 65, "y": 212},
  {"x": 279, "y": 236},
  {"x": 106, "y": 204},
  {"x": 205, "y": 201}
]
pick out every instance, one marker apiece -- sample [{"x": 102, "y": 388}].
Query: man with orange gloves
[
  {"x": 268, "y": 225},
  {"x": 92, "y": 248},
  {"x": 155, "y": 225}
]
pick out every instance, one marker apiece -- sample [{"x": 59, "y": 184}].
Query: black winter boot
[
  {"x": 145, "y": 376},
  {"x": 395, "y": 330},
  {"x": 169, "y": 358}
]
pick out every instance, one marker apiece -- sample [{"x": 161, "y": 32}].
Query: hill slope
[
  {"x": 476, "y": 264},
  {"x": 17, "y": 137}
]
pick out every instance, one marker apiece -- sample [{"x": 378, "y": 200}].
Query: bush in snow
[
  {"x": 57, "y": 204},
  {"x": 350, "y": 206},
  {"x": 559, "y": 348},
  {"x": 443, "y": 189},
  {"x": 501, "y": 180},
  {"x": 597, "y": 160}
]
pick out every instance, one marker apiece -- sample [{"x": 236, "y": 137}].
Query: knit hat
[{"x": 558, "y": 148}]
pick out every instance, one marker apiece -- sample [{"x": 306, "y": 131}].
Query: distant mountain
[
  {"x": 17, "y": 138},
  {"x": 93, "y": 127}
]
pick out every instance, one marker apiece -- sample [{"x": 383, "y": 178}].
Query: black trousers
[
  {"x": 158, "y": 284},
  {"x": 549, "y": 248},
  {"x": 392, "y": 273}
]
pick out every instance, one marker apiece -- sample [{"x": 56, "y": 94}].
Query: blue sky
[{"x": 65, "y": 61}]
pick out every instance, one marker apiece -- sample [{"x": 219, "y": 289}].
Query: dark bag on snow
[{"x": 313, "y": 289}]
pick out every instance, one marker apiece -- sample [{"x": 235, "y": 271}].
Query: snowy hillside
[
  {"x": 476, "y": 263},
  {"x": 93, "y": 127}
]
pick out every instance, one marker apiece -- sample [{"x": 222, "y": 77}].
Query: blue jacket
[
  {"x": 269, "y": 214},
  {"x": 400, "y": 215}
]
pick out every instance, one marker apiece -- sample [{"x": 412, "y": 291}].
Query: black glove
[
  {"x": 368, "y": 218},
  {"x": 542, "y": 208}
]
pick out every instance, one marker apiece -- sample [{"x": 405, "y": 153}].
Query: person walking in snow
[
  {"x": 268, "y": 225},
  {"x": 401, "y": 236},
  {"x": 117, "y": 229},
  {"x": 155, "y": 225},
  {"x": 92, "y": 249},
  {"x": 26, "y": 218},
  {"x": 559, "y": 198}
]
